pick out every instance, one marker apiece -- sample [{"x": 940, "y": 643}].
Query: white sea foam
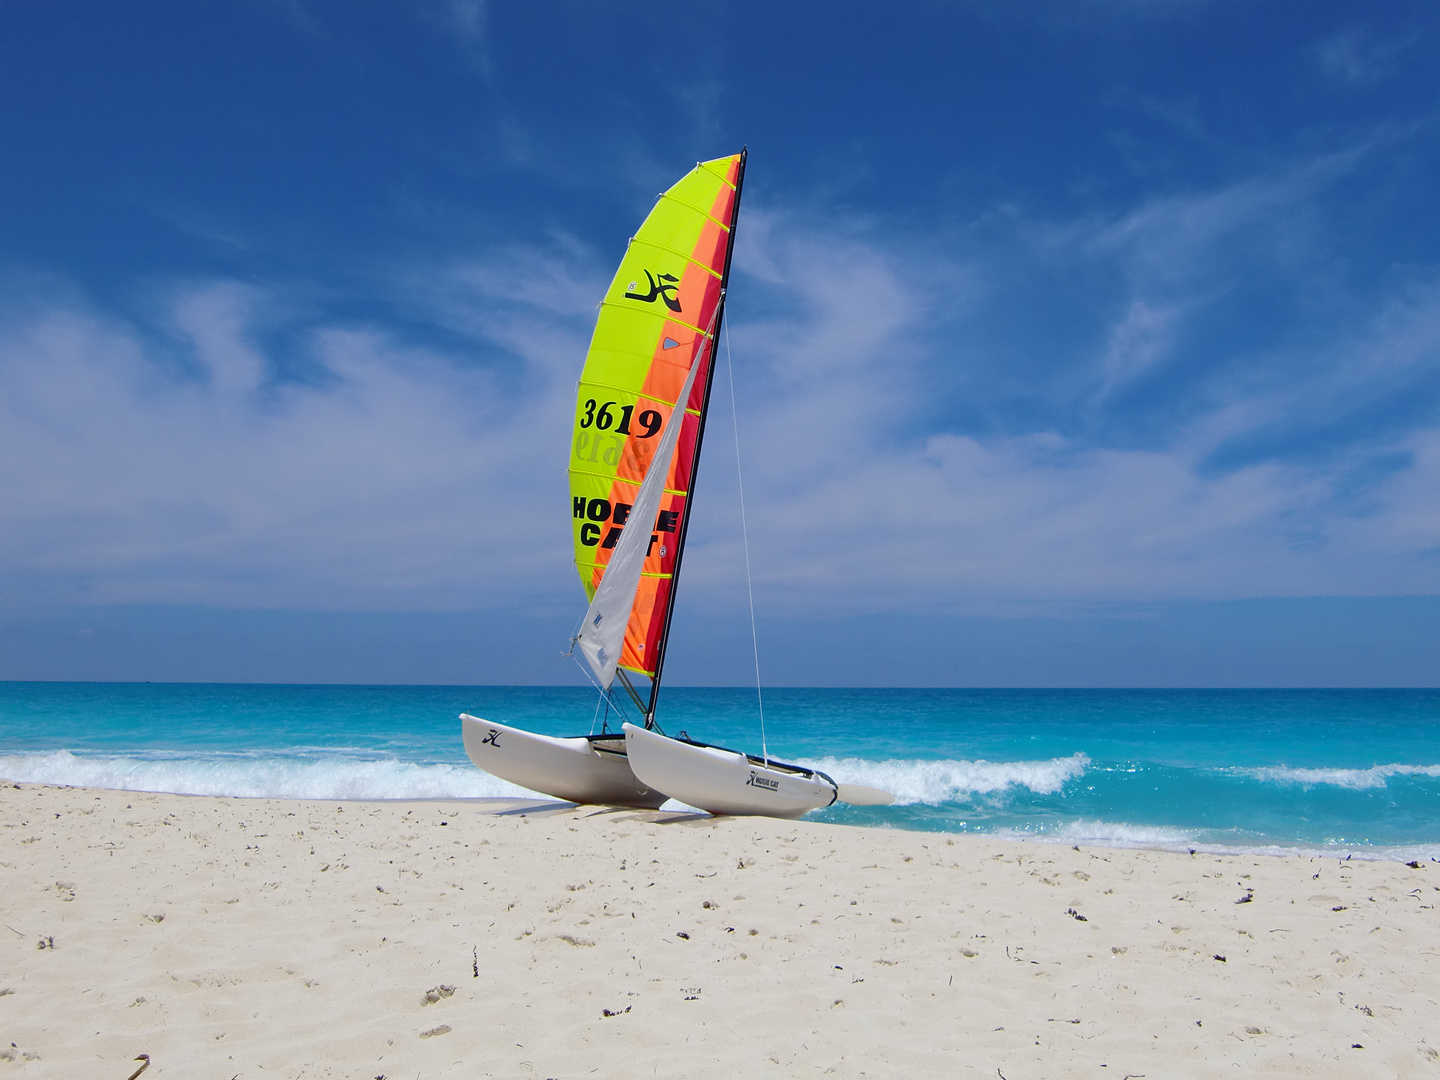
[
  {"x": 934, "y": 782},
  {"x": 1109, "y": 834},
  {"x": 260, "y": 777},
  {"x": 327, "y": 776},
  {"x": 1120, "y": 834},
  {"x": 1355, "y": 779}
]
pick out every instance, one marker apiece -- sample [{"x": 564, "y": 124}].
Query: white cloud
[
  {"x": 1140, "y": 340},
  {"x": 852, "y": 514},
  {"x": 405, "y": 481},
  {"x": 1356, "y": 56},
  {"x": 469, "y": 17},
  {"x": 141, "y": 468}
]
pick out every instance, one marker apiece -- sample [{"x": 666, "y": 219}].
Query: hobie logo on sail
[
  {"x": 756, "y": 780},
  {"x": 662, "y": 286}
]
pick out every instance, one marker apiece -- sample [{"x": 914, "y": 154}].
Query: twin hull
[
  {"x": 577, "y": 770},
  {"x": 643, "y": 768},
  {"x": 724, "y": 781}
]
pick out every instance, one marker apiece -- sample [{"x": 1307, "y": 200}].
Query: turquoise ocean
[{"x": 1344, "y": 772}]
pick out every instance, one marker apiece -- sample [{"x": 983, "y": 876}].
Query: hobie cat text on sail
[{"x": 598, "y": 511}]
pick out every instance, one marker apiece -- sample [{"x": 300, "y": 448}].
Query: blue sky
[{"x": 1075, "y": 343}]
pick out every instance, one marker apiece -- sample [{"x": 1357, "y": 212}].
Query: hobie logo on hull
[
  {"x": 756, "y": 780},
  {"x": 662, "y": 286},
  {"x": 493, "y": 739}
]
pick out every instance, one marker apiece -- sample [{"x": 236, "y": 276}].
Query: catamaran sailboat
[{"x": 635, "y": 449}]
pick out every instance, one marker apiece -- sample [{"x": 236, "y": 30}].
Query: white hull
[
  {"x": 723, "y": 781},
  {"x": 578, "y": 770}
]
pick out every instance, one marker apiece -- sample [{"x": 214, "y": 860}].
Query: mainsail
[{"x": 653, "y": 350}]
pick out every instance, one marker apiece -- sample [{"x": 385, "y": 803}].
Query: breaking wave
[
  {"x": 1354, "y": 779},
  {"x": 935, "y": 782},
  {"x": 254, "y": 777},
  {"x": 281, "y": 776}
]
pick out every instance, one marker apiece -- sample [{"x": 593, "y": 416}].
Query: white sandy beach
[{"x": 252, "y": 938}]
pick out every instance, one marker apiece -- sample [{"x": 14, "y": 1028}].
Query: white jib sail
[{"x": 602, "y": 634}]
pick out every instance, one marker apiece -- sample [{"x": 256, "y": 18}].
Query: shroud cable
[{"x": 745, "y": 539}]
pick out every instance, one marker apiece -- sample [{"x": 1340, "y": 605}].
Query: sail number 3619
[{"x": 603, "y": 419}]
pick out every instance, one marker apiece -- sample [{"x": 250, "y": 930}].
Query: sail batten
[
  {"x": 654, "y": 315},
  {"x": 669, "y": 404},
  {"x": 691, "y": 206},
  {"x": 643, "y": 573},
  {"x": 662, "y": 247},
  {"x": 640, "y": 414}
]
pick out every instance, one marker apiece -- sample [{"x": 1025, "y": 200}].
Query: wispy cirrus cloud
[
  {"x": 186, "y": 461},
  {"x": 404, "y": 479},
  {"x": 1358, "y": 55},
  {"x": 1288, "y": 465}
]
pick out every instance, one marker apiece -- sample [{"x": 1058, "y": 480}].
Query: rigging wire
[
  {"x": 745, "y": 539},
  {"x": 596, "y": 718},
  {"x": 604, "y": 696}
]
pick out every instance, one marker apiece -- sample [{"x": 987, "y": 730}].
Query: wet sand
[{"x": 253, "y": 938}]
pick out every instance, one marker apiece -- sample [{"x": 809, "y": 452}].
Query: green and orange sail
[{"x": 658, "y": 320}]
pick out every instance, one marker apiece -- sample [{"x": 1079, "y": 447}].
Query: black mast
[{"x": 699, "y": 440}]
